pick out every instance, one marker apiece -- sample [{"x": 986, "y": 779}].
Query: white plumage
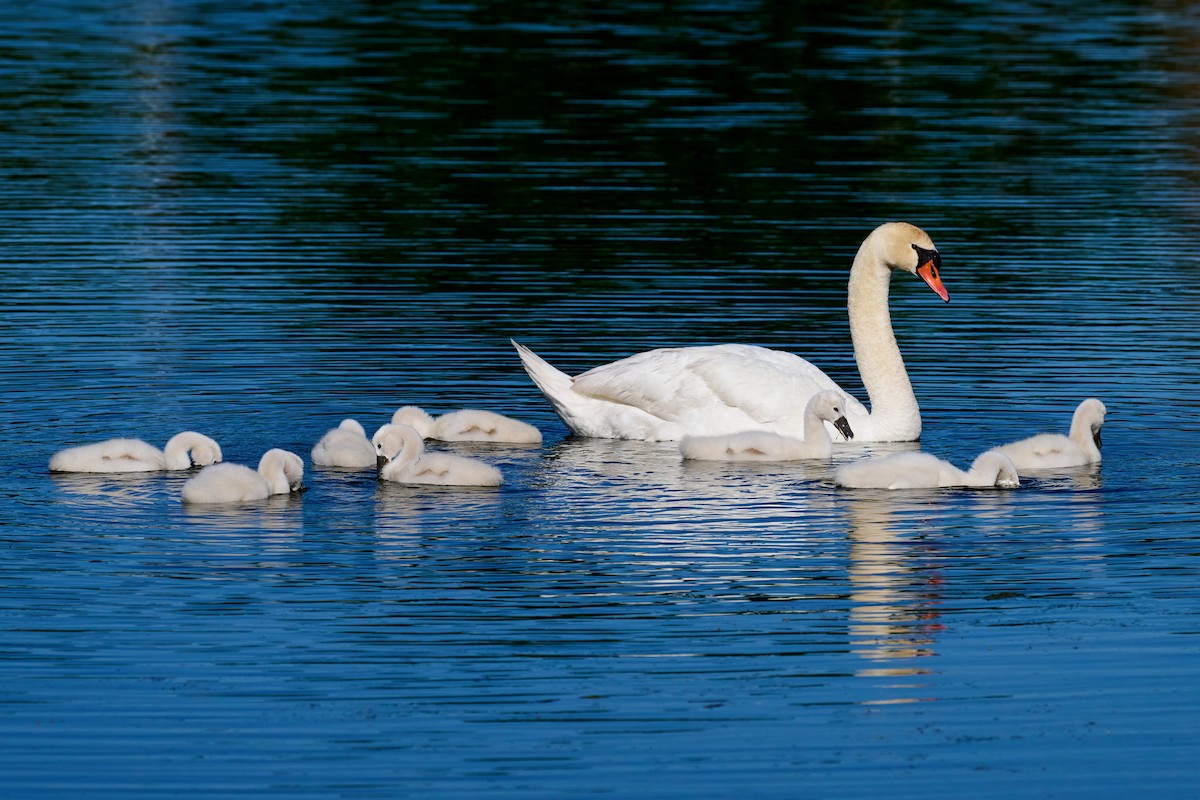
[
  {"x": 404, "y": 460},
  {"x": 925, "y": 471},
  {"x": 346, "y": 445},
  {"x": 279, "y": 472},
  {"x": 1054, "y": 450},
  {"x": 824, "y": 406},
  {"x": 183, "y": 451},
  {"x": 468, "y": 425},
  {"x": 666, "y": 394}
]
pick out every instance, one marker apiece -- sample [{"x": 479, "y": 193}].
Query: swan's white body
[
  {"x": 346, "y": 445},
  {"x": 924, "y": 471},
  {"x": 1055, "y": 451},
  {"x": 468, "y": 425},
  {"x": 824, "y": 406},
  {"x": 666, "y": 394},
  {"x": 279, "y": 472},
  {"x": 401, "y": 449},
  {"x": 183, "y": 451}
]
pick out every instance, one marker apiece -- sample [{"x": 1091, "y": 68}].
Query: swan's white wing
[{"x": 742, "y": 382}]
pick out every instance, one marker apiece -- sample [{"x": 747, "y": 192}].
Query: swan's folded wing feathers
[
  {"x": 657, "y": 382},
  {"x": 671, "y": 383},
  {"x": 762, "y": 383}
]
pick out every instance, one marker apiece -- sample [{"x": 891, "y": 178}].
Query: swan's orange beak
[{"x": 929, "y": 270}]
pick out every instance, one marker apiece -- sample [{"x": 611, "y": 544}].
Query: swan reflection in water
[{"x": 894, "y": 615}]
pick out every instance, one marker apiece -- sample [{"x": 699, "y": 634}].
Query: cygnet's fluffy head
[{"x": 996, "y": 462}]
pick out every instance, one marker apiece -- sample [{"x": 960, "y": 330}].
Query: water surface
[{"x": 256, "y": 221}]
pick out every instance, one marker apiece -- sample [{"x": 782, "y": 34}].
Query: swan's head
[
  {"x": 291, "y": 465},
  {"x": 993, "y": 462},
  {"x": 900, "y": 245},
  {"x": 831, "y": 405},
  {"x": 393, "y": 441},
  {"x": 1090, "y": 414},
  {"x": 190, "y": 449}
]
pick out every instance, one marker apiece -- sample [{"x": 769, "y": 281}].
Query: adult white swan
[
  {"x": 1055, "y": 451},
  {"x": 924, "y": 471},
  {"x": 666, "y": 394},
  {"x": 403, "y": 459},
  {"x": 828, "y": 405},
  {"x": 279, "y": 472},
  {"x": 183, "y": 451},
  {"x": 346, "y": 445},
  {"x": 468, "y": 425}
]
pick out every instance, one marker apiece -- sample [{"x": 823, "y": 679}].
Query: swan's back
[
  {"x": 744, "y": 446},
  {"x": 225, "y": 483},
  {"x": 344, "y": 446},
  {"x": 1045, "y": 451},
  {"x": 475, "y": 425},
  {"x": 914, "y": 470},
  {"x": 444, "y": 469},
  {"x": 111, "y": 455}
]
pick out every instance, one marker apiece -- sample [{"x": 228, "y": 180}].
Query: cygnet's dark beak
[
  {"x": 380, "y": 461},
  {"x": 843, "y": 426},
  {"x": 1096, "y": 438}
]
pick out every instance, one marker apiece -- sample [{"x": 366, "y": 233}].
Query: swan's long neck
[
  {"x": 274, "y": 474},
  {"x": 893, "y": 405},
  {"x": 814, "y": 427},
  {"x": 409, "y": 446}
]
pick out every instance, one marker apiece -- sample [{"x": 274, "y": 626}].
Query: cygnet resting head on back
[
  {"x": 403, "y": 459},
  {"x": 767, "y": 446},
  {"x": 468, "y": 425},
  {"x": 1056, "y": 451},
  {"x": 183, "y": 451},
  {"x": 346, "y": 445},
  {"x": 924, "y": 471},
  {"x": 279, "y": 472}
]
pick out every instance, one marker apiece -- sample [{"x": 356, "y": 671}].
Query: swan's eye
[{"x": 932, "y": 257}]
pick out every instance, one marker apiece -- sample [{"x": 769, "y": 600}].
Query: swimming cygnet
[
  {"x": 403, "y": 459},
  {"x": 183, "y": 451},
  {"x": 279, "y": 472},
  {"x": 1053, "y": 450},
  {"x": 925, "y": 471},
  {"x": 767, "y": 446},
  {"x": 346, "y": 445},
  {"x": 468, "y": 425}
]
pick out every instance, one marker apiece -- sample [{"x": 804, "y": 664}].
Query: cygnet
[
  {"x": 183, "y": 451},
  {"x": 403, "y": 459}
]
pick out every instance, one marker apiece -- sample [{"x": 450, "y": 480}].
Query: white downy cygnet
[
  {"x": 403, "y": 459},
  {"x": 924, "y": 471},
  {"x": 279, "y": 472},
  {"x": 1054, "y": 450},
  {"x": 468, "y": 425},
  {"x": 183, "y": 451},
  {"x": 346, "y": 445},
  {"x": 767, "y": 446}
]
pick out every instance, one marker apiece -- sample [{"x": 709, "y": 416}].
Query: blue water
[{"x": 256, "y": 221}]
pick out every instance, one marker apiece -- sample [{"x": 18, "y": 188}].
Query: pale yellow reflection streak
[{"x": 891, "y": 621}]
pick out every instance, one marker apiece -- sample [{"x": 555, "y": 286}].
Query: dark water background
[{"x": 256, "y": 219}]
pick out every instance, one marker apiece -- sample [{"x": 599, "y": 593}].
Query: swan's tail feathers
[{"x": 554, "y": 383}]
